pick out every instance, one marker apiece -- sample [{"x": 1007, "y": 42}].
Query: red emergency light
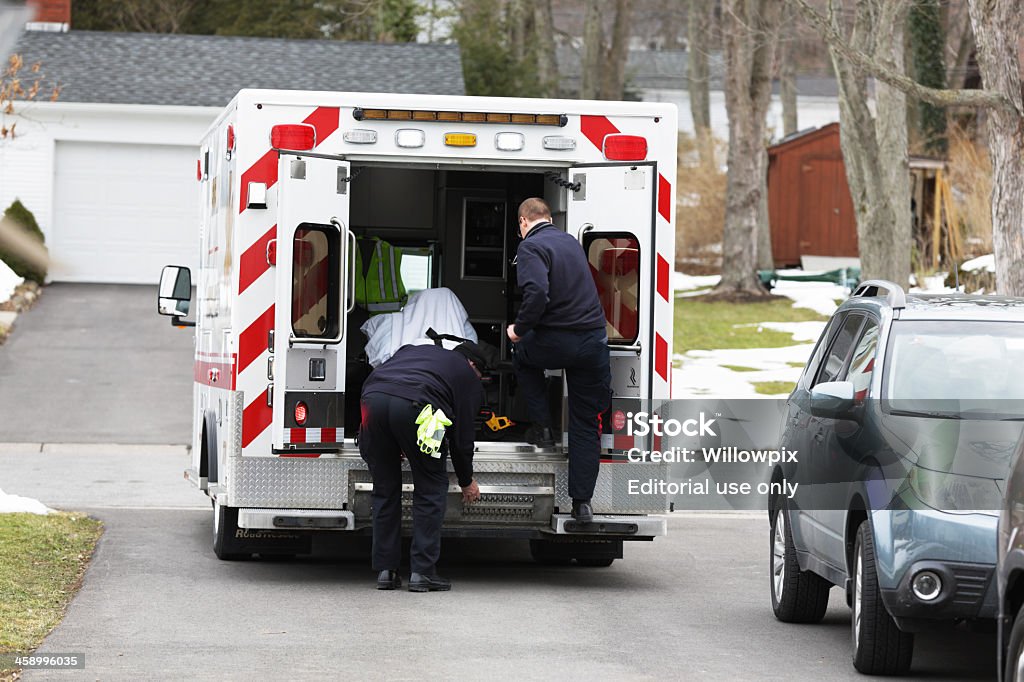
[
  {"x": 625, "y": 147},
  {"x": 300, "y": 136},
  {"x": 300, "y": 413},
  {"x": 231, "y": 138}
]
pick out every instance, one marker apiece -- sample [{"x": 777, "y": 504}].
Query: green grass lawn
[
  {"x": 42, "y": 559},
  {"x": 707, "y": 326},
  {"x": 773, "y": 387},
  {"x": 741, "y": 368}
]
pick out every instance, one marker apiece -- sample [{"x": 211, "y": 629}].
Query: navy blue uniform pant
[
  {"x": 583, "y": 355},
  {"x": 388, "y": 429}
]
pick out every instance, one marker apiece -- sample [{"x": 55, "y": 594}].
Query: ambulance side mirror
[{"x": 174, "y": 294}]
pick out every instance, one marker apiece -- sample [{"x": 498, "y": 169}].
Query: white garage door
[{"x": 123, "y": 211}]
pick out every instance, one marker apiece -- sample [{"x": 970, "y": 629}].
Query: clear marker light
[
  {"x": 509, "y": 142},
  {"x": 409, "y": 138},
  {"x": 559, "y": 143},
  {"x": 360, "y": 136}
]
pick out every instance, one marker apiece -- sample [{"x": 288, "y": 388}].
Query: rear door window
[
  {"x": 315, "y": 281},
  {"x": 614, "y": 260}
]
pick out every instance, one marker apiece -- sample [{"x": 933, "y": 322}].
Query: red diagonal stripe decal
[
  {"x": 661, "y": 356},
  {"x": 325, "y": 120},
  {"x": 663, "y": 275},
  {"x": 256, "y": 418},
  {"x": 594, "y": 128},
  {"x": 253, "y": 341},
  {"x": 254, "y": 261},
  {"x": 664, "y": 197}
]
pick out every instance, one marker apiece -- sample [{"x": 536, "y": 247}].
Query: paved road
[
  {"x": 95, "y": 363},
  {"x": 156, "y": 604}
]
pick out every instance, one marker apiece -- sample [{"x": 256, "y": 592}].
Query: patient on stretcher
[{"x": 439, "y": 309}]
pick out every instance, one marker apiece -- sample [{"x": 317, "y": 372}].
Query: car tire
[
  {"x": 797, "y": 596},
  {"x": 1013, "y": 665},
  {"x": 879, "y": 646}
]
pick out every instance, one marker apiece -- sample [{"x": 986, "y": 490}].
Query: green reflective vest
[{"x": 379, "y": 286}]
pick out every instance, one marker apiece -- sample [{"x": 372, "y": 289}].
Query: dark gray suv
[{"x": 904, "y": 422}]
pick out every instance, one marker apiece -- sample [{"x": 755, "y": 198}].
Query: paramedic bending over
[
  {"x": 393, "y": 404},
  {"x": 561, "y": 325}
]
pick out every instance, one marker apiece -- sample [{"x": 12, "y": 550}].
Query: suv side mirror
[
  {"x": 833, "y": 400},
  {"x": 174, "y": 294}
]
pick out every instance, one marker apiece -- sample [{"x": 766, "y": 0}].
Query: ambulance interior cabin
[{"x": 457, "y": 230}]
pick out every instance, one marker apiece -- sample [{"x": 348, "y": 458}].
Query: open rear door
[{"x": 313, "y": 270}]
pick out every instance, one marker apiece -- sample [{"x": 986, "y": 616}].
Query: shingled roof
[{"x": 151, "y": 68}]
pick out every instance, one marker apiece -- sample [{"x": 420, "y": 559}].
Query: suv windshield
[{"x": 956, "y": 370}]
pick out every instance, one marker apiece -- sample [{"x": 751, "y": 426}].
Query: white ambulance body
[{"x": 291, "y": 181}]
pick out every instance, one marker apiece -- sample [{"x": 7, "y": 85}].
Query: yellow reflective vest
[{"x": 379, "y": 286}]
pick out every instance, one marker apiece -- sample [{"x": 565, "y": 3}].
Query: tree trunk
[
  {"x": 787, "y": 86},
  {"x": 614, "y": 74},
  {"x": 875, "y": 153},
  {"x": 698, "y": 24},
  {"x": 592, "y": 48},
  {"x": 765, "y": 259},
  {"x": 749, "y": 28},
  {"x": 547, "y": 55},
  {"x": 997, "y": 27}
]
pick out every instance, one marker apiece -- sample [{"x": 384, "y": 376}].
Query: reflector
[
  {"x": 299, "y": 136},
  {"x": 625, "y": 147},
  {"x": 359, "y": 136},
  {"x": 460, "y": 139}
]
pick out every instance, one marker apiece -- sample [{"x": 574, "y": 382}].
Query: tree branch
[{"x": 866, "y": 64}]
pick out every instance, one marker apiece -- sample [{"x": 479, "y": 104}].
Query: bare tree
[
  {"x": 996, "y": 27},
  {"x": 593, "y": 41},
  {"x": 698, "y": 27},
  {"x": 613, "y": 81},
  {"x": 547, "y": 56},
  {"x": 20, "y": 85},
  {"x": 749, "y": 30},
  {"x": 787, "y": 76},
  {"x": 604, "y": 65}
]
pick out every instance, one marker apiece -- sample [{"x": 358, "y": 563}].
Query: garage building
[{"x": 109, "y": 168}]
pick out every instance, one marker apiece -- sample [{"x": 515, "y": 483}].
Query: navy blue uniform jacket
[{"x": 558, "y": 289}]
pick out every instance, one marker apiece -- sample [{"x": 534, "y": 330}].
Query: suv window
[
  {"x": 863, "y": 362},
  {"x": 835, "y": 360},
  {"x": 811, "y": 369}
]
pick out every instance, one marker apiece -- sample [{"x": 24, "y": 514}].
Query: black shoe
[
  {"x": 582, "y": 512},
  {"x": 540, "y": 436},
  {"x": 428, "y": 583},
  {"x": 389, "y": 580}
]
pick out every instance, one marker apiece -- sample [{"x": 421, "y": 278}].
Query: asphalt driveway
[{"x": 94, "y": 363}]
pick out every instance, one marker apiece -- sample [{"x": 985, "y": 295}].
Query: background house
[{"x": 109, "y": 168}]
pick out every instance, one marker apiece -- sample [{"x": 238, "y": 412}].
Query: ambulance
[{"x": 298, "y": 189}]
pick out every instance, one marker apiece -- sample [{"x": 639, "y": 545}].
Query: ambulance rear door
[{"x": 313, "y": 255}]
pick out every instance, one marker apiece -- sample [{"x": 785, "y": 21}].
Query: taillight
[
  {"x": 231, "y": 138},
  {"x": 625, "y": 148},
  {"x": 300, "y": 413},
  {"x": 300, "y": 136}
]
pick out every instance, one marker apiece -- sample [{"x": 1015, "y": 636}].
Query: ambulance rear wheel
[{"x": 225, "y": 525}]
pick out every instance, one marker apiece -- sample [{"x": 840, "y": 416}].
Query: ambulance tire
[{"x": 225, "y": 525}]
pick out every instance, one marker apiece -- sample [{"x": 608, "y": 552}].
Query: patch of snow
[
  {"x": 684, "y": 282},
  {"x": 8, "y": 281},
  {"x": 933, "y": 284},
  {"x": 701, "y": 372},
  {"x": 802, "y": 331},
  {"x": 980, "y": 263},
  {"x": 17, "y": 503},
  {"x": 818, "y": 296}
]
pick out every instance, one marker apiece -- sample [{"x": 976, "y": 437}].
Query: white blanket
[{"x": 439, "y": 309}]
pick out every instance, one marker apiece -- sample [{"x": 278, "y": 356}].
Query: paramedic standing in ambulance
[
  {"x": 393, "y": 404},
  {"x": 561, "y": 325}
]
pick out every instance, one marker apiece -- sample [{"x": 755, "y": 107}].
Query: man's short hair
[{"x": 534, "y": 209}]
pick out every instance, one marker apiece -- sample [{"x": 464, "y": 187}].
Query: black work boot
[
  {"x": 540, "y": 436},
  {"x": 388, "y": 580},
  {"x": 582, "y": 512},
  {"x": 420, "y": 582}
]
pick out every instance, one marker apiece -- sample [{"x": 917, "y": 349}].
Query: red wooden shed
[{"x": 809, "y": 204}]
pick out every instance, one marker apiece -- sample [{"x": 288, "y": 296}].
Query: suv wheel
[
  {"x": 1013, "y": 670},
  {"x": 879, "y": 647},
  {"x": 797, "y": 596}
]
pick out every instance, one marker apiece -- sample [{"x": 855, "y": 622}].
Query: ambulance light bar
[
  {"x": 361, "y": 114},
  {"x": 619, "y": 147},
  {"x": 298, "y": 136}
]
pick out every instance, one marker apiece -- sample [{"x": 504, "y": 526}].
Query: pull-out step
[{"x": 611, "y": 524}]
